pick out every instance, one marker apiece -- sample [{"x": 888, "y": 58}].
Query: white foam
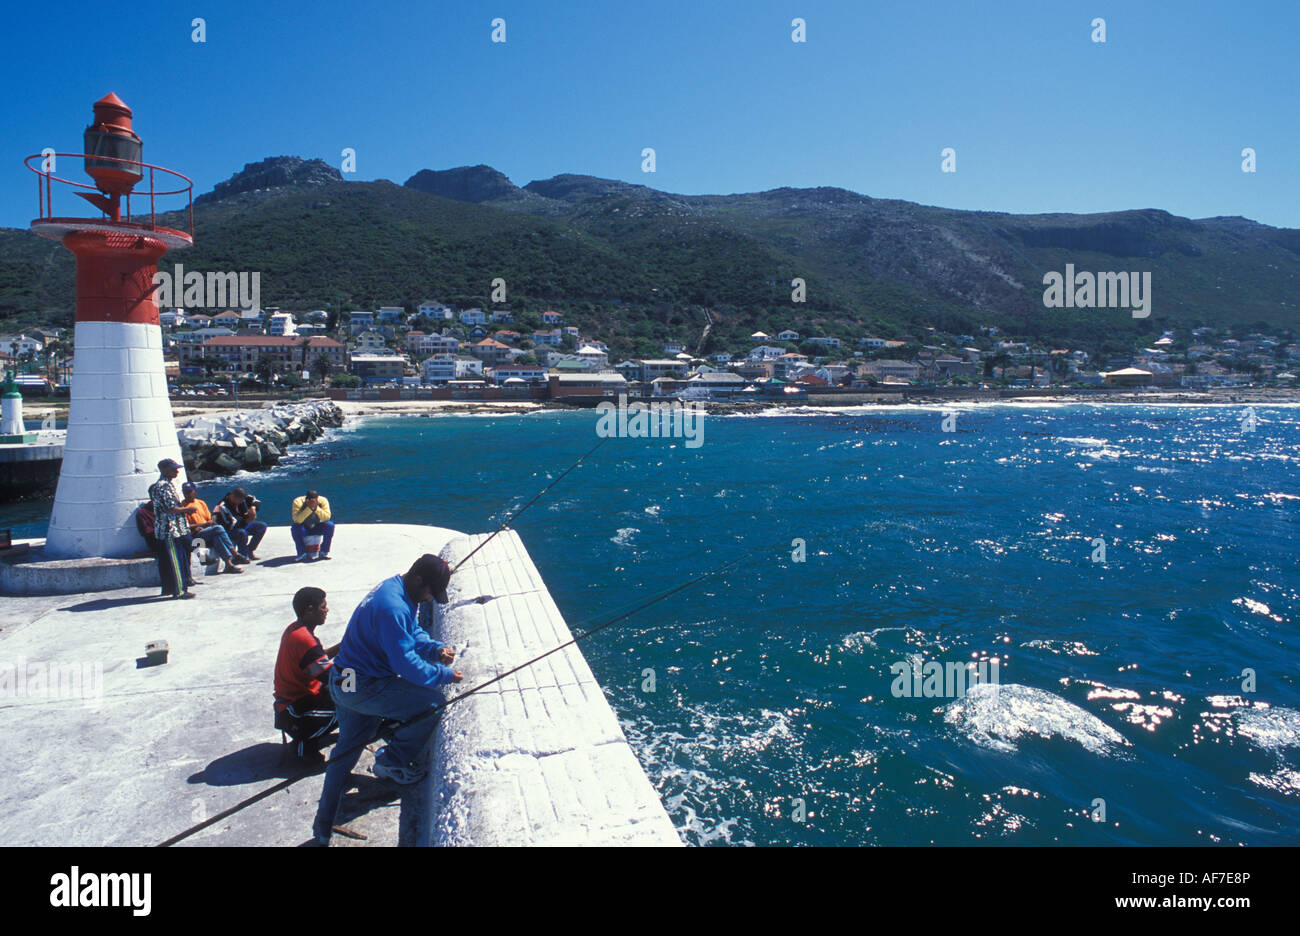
[{"x": 997, "y": 716}]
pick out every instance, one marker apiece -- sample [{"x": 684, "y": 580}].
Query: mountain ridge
[{"x": 870, "y": 265}]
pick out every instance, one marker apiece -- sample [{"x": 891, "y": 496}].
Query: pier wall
[{"x": 537, "y": 758}]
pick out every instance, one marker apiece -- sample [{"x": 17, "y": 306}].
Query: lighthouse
[{"x": 120, "y": 421}]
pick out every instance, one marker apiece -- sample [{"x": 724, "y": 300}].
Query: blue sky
[{"x": 1041, "y": 117}]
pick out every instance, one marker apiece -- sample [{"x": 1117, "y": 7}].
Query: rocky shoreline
[{"x": 251, "y": 440}]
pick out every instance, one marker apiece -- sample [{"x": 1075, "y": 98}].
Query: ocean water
[{"x": 1126, "y": 711}]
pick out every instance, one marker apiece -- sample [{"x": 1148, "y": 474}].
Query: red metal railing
[{"x": 45, "y": 191}]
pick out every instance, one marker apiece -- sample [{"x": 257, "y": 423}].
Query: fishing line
[
  {"x": 511, "y": 518},
  {"x": 320, "y": 768}
]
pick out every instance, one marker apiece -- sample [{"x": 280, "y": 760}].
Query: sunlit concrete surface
[
  {"x": 104, "y": 750},
  {"x": 537, "y": 758}
]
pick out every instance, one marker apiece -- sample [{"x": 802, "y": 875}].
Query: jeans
[
  {"x": 359, "y": 713},
  {"x": 248, "y": 536},
  {"x": 325, "y": 529},
  {"x": 218, "y": 539}
]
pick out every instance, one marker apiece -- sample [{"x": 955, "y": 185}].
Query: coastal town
[{"x": 472, "y": 353}]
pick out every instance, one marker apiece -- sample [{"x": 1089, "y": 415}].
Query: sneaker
[
  {"x": 400, "y": 775},
  {"x": 301, "y": 557},
  {"x": 323, "y": 556},
  {"x": 186, "y": 595}
]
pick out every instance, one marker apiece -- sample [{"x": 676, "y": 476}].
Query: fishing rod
[
  {"x": 512, "y": 517},
  {"x": 437, "y": 710}
]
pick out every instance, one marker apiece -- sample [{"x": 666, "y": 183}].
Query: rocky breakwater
[{"x": 251, "y": 440}]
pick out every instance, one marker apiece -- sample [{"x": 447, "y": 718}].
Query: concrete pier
[
  {"x": 537, "y": 758},
  {"x": 104, "y": 750}
]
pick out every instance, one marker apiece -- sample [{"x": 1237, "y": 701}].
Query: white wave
[
  {"x": 1271, "y": 728},
  {"x": 624, "y": 536},
  {"x": 996, "y": 716}
]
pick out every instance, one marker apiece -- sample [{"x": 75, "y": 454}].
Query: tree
[
  {"x": 264, "y": 369},
  {"x": 321, "y": 367},
  {"x": 209, "y": 364}
]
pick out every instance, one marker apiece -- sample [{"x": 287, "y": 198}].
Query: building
[
  {"x": 604, "y": 385},
  {"x": 490, "y": 351},
  {"x": 551, "y": 337},
  {"x": 890, "y": 370},
  {"x": 530, "y": 373},
  {"x": 718, "y": 384},
  {"x": 419, "y": 343},
  {"x": 438, "y": 369},
  {"x": 473, "y": 317},
  {"x": 360, "y": 321},
  {"x": 390, "y": 315},
  {"x": 827, "y": 342},
  {"x": 551, "y": 317},
  {"x": 766, "y": 353},
  {"x": 378, "y": 368},
  {"x": 595, "y": 359},
  {"x": 788, "y": 335},
  {"x": 654, "y": 368},
  {"x": 18, "y": 345},
  {"x": 673, "y": 348},
  {"x": 468, "y": 367},
  {"x": 1128, "y": 377},
  {"x": 372, "y": 339},
  {"x": 281, "y": 323},
  {"x": 435, "y": 310},
  {"x": 948, "y": 366},
  {"x": 288, "y": 354},
  {"x": 503, "y": 316}
]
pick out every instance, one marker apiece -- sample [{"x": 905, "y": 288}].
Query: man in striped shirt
[{"x": 171, "y": 527}]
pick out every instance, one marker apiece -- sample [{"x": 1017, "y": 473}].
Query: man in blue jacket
[{"x": 387, "y": 667}]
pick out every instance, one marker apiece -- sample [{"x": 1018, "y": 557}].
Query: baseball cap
[
  {"x": 168, "y": 463},
  {"x": 435, "y": 573},
  {"x": 189, "y": 486}
]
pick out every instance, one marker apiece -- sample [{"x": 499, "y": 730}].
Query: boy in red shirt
[{"x": 304, "y": 708}]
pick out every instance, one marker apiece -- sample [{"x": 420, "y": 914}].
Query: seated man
[
  {"x": 304, "y": 708},
  {"x": 237, "y": 512},
  {"x": 203, "y": 528},
  {"x": 311, "y": 517}
]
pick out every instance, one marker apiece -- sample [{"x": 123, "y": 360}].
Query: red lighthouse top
[{"x": 111, "y": 156}]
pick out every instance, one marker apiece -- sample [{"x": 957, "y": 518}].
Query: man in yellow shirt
[
  {"x": 203, "y": 527},
  {"x": 311, "y": 517}
]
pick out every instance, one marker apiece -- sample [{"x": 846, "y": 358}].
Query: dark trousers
[
  {"x": 173, "y": 566},
  {"x": 324, "y": 530},
  {"x": 248, "y": 536},
  {"x": 308, "y": 720}
]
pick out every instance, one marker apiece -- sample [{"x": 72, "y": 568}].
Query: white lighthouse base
[
  {"x": 120, "y": 426},
  {"x": 11, "y": 416}
]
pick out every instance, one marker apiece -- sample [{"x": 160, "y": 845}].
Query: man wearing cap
[
  {"x": 387, "y": 667},
  {"x": 170, "y": 528},
  {"x": 203, "y": 528}
]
